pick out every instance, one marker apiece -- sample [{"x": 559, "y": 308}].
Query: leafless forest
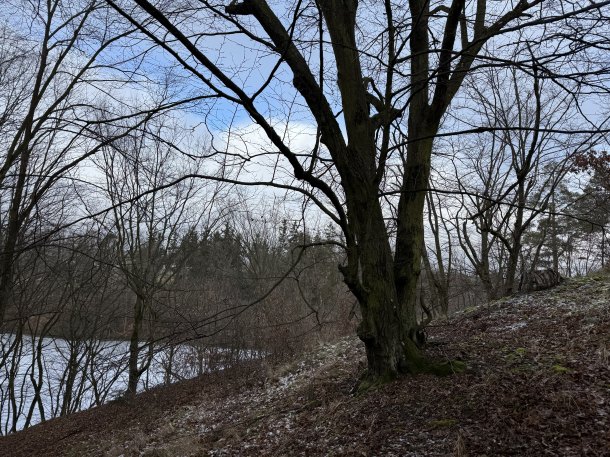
[{"x": 191, "y": 184}]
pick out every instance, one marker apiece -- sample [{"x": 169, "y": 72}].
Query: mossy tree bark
[
  {"x": 384, "y": 283},
  {"x": 382, "y": 267}
]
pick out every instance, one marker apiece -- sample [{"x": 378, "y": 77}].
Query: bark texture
[{"x": 383, "y": 279}]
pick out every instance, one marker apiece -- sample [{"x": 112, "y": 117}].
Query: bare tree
[
  {"x": 438, "y": 273},
  {"x": 61, "y": 289},
  {"x": 148, "y": 219},
  {"x": 387, "y": 79},
  {"x": 509, "y": 176},
  {"x": 55, "y": 81}
]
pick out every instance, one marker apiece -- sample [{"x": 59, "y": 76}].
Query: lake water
[{"x": 36, "y": 381}]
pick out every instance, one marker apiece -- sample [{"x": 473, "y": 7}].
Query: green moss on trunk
[{"x": 413, "y": 362}]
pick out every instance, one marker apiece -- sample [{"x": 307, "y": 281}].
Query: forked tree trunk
[
  {"x": 389, "y": 321},
  {"x": 386, "y": 284},
  {"x": 384, "y": 329},
  {"x": 386, "y": 301}
]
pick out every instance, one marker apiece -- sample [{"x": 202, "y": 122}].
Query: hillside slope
[{"x": 537, "y": 383}]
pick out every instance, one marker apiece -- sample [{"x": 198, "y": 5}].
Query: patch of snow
[
  {"x": 516, "y": 326},
  {"x": 104, "y": 377}
]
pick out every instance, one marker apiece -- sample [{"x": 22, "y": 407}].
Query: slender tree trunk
[
  {"x": 134, "y": 347},
  {"x": 410, "y": 227},
  {"x": 484, "y": 271},
  {"x": 511, "y": 269},
  {"x": 515, "y": 248},
  {"x": 11, "y": 237},
  {"x": 6, "y": 279},
  {"x": 440, "y": 279},
  {"x": 554, "y": 243}
]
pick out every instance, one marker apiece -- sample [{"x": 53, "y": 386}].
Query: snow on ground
[
  {"x": 528, "y": 390},
  {"x": 98, "y": 379}
]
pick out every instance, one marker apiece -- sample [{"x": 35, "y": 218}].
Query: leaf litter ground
[{"x": 537, "y": 383}]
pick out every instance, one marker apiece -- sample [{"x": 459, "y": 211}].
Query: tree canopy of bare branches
[{"x": 376, "y": 80}]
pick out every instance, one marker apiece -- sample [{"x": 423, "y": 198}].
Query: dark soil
[{"x": 537, "y": 383}]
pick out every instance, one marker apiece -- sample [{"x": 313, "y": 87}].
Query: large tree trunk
[
  {"x": 388, "y": 311},
  {"x": 385, "y": 327},
  {"x": 384, "y": 286}
]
